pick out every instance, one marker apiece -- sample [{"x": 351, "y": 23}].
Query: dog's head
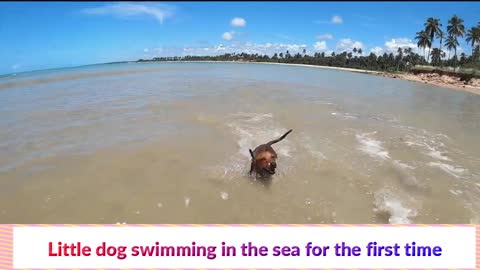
[{"x": 265, "y": 164}]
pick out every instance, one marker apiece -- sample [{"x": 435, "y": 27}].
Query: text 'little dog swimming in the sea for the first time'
[{"x": 372, "y": 249}]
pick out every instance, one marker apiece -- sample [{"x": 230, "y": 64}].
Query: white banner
[{"x": 244, "y": 247}]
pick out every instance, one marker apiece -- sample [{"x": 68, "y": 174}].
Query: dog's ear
[{"x": 251, "y": 153}]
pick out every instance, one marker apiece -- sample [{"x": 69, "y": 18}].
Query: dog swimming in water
[{"x": 264, "y": 159}]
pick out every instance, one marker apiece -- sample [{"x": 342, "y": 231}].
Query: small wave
[
  {"x": 402, "y": 165},
  {"x": 432, "y": 144},
  {"x": 224, "y": 195},
  {"x": 254, "y": 117},
  {"x": 432, "y": 151},
  {"x": 371, "y": 146},
  {"x": 457, "y": 172},
  {"x": 321, "y": 102},
  {"x": 456, "y": 192},
  {"x": 438, "y": 155},
  {"x": 311, "y": 149},
  {"x": 398, "y": 213},
  {"x": 345, "y": 115},
  {"x": 382, "y": 118}
]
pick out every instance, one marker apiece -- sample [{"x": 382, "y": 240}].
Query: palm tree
[
  {"x": 440, "y": 36},
  {"x": 423, "y": 41},
  {"x": 451, "y": 42},
  {"x": 433, "y": 28},
  {"x": 455, "y": 29},
  {"x": 437, "y": 55},
  {"x": 473, "y": 36},
  {"x": 476, "y": 53},
  {"x": 354, "y": 50},
  {"x": 463, "y": 58},
  {"x": 359, "y": 51},
  {"x": 399, "y": 57}
]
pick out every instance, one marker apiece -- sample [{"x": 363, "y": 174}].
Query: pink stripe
[
  {"x": 246, "y": 225},
  {"x": 5, "y": 243}
]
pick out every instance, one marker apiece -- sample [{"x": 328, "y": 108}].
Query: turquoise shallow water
[{"x": 364, "y": 148}]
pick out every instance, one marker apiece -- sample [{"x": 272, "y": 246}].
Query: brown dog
[{"x": 264, "y": 158}]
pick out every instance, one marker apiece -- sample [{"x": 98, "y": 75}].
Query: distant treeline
[{"x": 403, "y": 59}]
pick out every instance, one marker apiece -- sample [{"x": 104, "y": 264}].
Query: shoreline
[
  {"x": 431, "y": 79},
  {"x": 434, "y": 79}
]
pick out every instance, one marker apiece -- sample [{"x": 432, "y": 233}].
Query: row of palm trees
[
  {"x": 455, "y": 29},
  {"x": 402, "y": 61}
]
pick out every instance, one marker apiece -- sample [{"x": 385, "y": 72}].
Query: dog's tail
[{"x": 279, "y": 139}]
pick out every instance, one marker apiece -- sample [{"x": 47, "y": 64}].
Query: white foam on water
[
  {"x": 402, "y": 165},
  {"x": 224, "y": 195},
  {"x": 323, "y": 102},
  {"x": 371, "y": 146},
  {"x": 431, "y": 143},
  {"x": 254, "y": 117},
  {"x": 433, "y": 152},
  {"x": 410, "y": 143},
  {"x": 311, "y": 149},
  {"x": 455, "y": 171},
  {"x": 398, "y": 212},
  {"x": 345, "y": 115},
  {"x": 456, "y": 192}
]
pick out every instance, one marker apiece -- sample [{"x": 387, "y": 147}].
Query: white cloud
[
  {"x": 334, "y": 20},
  {"x": 146, "y": 50},
  {"x": 233, "y": 47},
  {"x": 158, "y": 11},
  {"x": 392, "y": 45},
  {"x": 16, "y": 66},
  {"x": 337, "y": 19},
  {"x": 347, "y": 45},
  {"x": 324, "y": 36},
  {"x": 377, "y": 51},
  {"x": 227, "y": 36},
  {"x": 238, "y": 22},
  {"x": 320, "y": 46}
]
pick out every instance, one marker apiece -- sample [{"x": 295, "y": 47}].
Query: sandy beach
[{"x": 433, "y": 79}]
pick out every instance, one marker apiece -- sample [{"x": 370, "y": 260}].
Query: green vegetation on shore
[{"x": 403, "y": 60}]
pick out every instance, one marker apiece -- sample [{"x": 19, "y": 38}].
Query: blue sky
[{"x": 57, "y": 34}]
